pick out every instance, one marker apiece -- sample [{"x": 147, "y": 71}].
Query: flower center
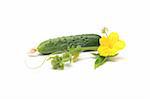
[{"x": 110, "y": 45}]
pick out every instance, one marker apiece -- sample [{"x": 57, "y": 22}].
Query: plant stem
[{"x": 89, "y": 48}]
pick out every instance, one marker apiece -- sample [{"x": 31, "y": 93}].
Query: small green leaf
[
  {"x": 75, "y": 51},
  {"x": 95, "y": 54},
  {"x": 57, "y": 62},
  {"x": 75, "y": 57},
  {"x": 66, "y": 57},
  {"x": 100, "y": 60},
  {"x": 61, "y": 65}
]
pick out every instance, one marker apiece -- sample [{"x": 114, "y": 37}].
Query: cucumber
[{"x": 86, "y": 41}]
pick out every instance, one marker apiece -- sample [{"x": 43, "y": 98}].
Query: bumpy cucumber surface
[{"x": 86, "y": 41}]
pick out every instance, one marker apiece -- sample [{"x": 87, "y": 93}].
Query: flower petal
[
  {"x": 109, "y": 46},
  {"x": 104, "y": 41},
  {"x": 113, "y": 37},
  {"x": 119, "y": 45},
  {"x": 106, "y": 51}
]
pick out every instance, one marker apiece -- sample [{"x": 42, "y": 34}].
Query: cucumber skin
[{"x": 62, "y": 43}]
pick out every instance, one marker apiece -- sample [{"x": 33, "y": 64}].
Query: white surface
[{"x": 23, "y": 24}]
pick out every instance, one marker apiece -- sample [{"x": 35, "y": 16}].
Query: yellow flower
[{"x": 109, "y": 46}]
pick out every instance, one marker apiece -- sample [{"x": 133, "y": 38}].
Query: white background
[{"x": 24, "y": 23}]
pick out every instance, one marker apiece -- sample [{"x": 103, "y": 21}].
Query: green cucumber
[{"x": 86, "y": 41}]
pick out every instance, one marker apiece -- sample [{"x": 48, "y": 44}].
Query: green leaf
[
  {"x": 57, "y": 62},
  {"x": 66, "y": 57},
  {"x": 100, "y": 60},
  {"x": 75, "y": 57},
  {"x": 61, "y": 65},
  {"x": 95, "y": 54},
  {"x": 75, "y": 51}
]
